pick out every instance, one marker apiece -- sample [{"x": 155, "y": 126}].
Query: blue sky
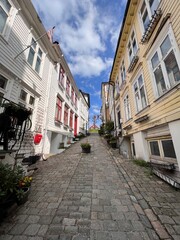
[{"x": 87, "y": 31}]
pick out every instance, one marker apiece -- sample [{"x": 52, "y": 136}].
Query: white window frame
[
  {"x": 130, "y": 42},
  {"x": 127, "y": 107},
  {"x": 26, "y": 102},
  {"x": 9, "y": 21},
  {"x": 160, "y": 146},
  {"x": 149, "y": 11},
  {"x": 139, "y": 105},
  {"x": 123, "y": 71},
  {"x": 167, "y": 30},
  {"x": 36, "y": 48}
]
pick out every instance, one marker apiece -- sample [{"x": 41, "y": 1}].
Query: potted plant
[
  {"x": 23, "y": 189},
  {"x": 86, "y": 147},
  {"x": 9, "y": 181}
]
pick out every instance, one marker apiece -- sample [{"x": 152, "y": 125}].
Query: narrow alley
[{"x": 96, "y": 196}]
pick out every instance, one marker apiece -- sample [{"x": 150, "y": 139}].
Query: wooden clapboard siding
[{"x": 167, "y": 105}]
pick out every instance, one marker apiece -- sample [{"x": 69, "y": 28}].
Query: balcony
[
  {"x": 151, "y": 26},
  {"x": 133, "y": 63}
]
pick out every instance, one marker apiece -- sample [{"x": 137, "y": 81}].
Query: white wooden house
[{"x": 31, "y": 68}]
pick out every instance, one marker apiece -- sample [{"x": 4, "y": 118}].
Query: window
[
  {"x": 71, "y": 119},
  {"x": 72, "y": 94},
  {"x": 5, "y": 8},
  {"x": 23, "y": 95},
  {"x": 31, "y": 100},
  {"x": 68, "y": 86},
  {"x": 75, "y": 101},
  {"x": 35, "y": 56},
  {"x": 58, "y": 112},
  {"x": 162, "y": 148},
  {"x": 139, "y": 92},
  {"x": 61, "y": 76},
  {"x": 38, "y": 61},
  {"x": 147, "y": 10},
  {"x": 66, "y": 109},
  {"x": 119, "y": 119},
  {"x": 127, "y": 108},
  {"x": 3, "y": 82},
  {"x": 165, "y": 66},
  {"x": 132, "y": 46},
  {"x": 123, "y": 71}
]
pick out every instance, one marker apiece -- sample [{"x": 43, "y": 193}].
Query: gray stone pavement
[{"x": 96, "y": 196}]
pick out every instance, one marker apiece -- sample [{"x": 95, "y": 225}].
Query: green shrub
[{"x": 141, "y": 162}]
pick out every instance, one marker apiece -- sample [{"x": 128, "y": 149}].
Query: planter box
[{"x": 86, "y": 150}]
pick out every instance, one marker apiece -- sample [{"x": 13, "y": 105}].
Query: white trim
[
  {"x": 138, "y": 74},
  {"x": 167, "y": 30}
]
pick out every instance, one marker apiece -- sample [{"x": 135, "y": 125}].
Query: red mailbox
[{"x": 37, "y": 138}]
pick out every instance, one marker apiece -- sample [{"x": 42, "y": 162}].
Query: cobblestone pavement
[{"x": 96, "y": 196}]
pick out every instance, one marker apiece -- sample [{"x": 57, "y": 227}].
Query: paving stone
[
  {"x": 119, "y": 236},
  {"x": 6, "y": 237},
  {"x": 32, "y": 229},
  {"x": 18, "y": 229},
  {"x": 68, "y": 222},
  {"x": 32, "y": 219},
  {"x": 19, "y": 237},
  {"x": 43, "y": 229},
  {"x": 160, "y": 229}
]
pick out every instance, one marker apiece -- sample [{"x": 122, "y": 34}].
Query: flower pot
[
  {"x": 22, "y": 195},
  {"x": 86, "y": 150},
  {"x": 113, "y": 144}
]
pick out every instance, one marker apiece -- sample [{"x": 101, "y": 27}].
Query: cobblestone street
[{"x": 96, "y": 196}]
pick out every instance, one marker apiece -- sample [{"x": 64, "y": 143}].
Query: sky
[{"x": 87, "y": 31}]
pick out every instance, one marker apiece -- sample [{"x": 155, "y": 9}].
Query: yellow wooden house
[{"x": 146, "y": 74}]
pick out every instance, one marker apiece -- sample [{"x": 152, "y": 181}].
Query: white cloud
[
  {"x": 95, "y": 109},
  {"x": 82, "y": 29},
  {"x": 88, "y": 65}
]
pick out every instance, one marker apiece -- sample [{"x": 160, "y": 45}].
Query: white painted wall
[
  {"x": 175, "y": 133},
  {"x": 141, "y": 146}
]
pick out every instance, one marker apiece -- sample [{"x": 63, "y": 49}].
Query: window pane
[
  {"x": 38, "y": 64},
  {"x": 23, "y": 95},
  {"x": 40, "y": 53},
  {"x": 168, "y": 148},
  {"x": 143, "y": 97},
  {"x": 172, "y": 68},
  {"x": 161, "y": 86},
  {"x": 165, "y": 46},
  {"x": 153, "y": 5},
  {"x": 154, "y": 148},
  {"x": 31, "y": 56},
  {"x": 140, "y": 81},
  {"x": 3, "y": 82},
  {"x": 5, "y": 4},
  {"x": 3, "y": 18},
  {"x": 31, "y": 100},
  {"x": 155, "y": 60},
  {"x": 145, "y": 19},
  {"x": 134, "y": 46}
]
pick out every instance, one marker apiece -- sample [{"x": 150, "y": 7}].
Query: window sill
[
  {"x": 67, "y": 95},
  {"x": 168, "y": 92},
  {"x": 57, "y": 122},
  {"x": 66, "y": 126},
  {"x": 61, "y": 86},
  {"x": 142, "y": 110}
]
